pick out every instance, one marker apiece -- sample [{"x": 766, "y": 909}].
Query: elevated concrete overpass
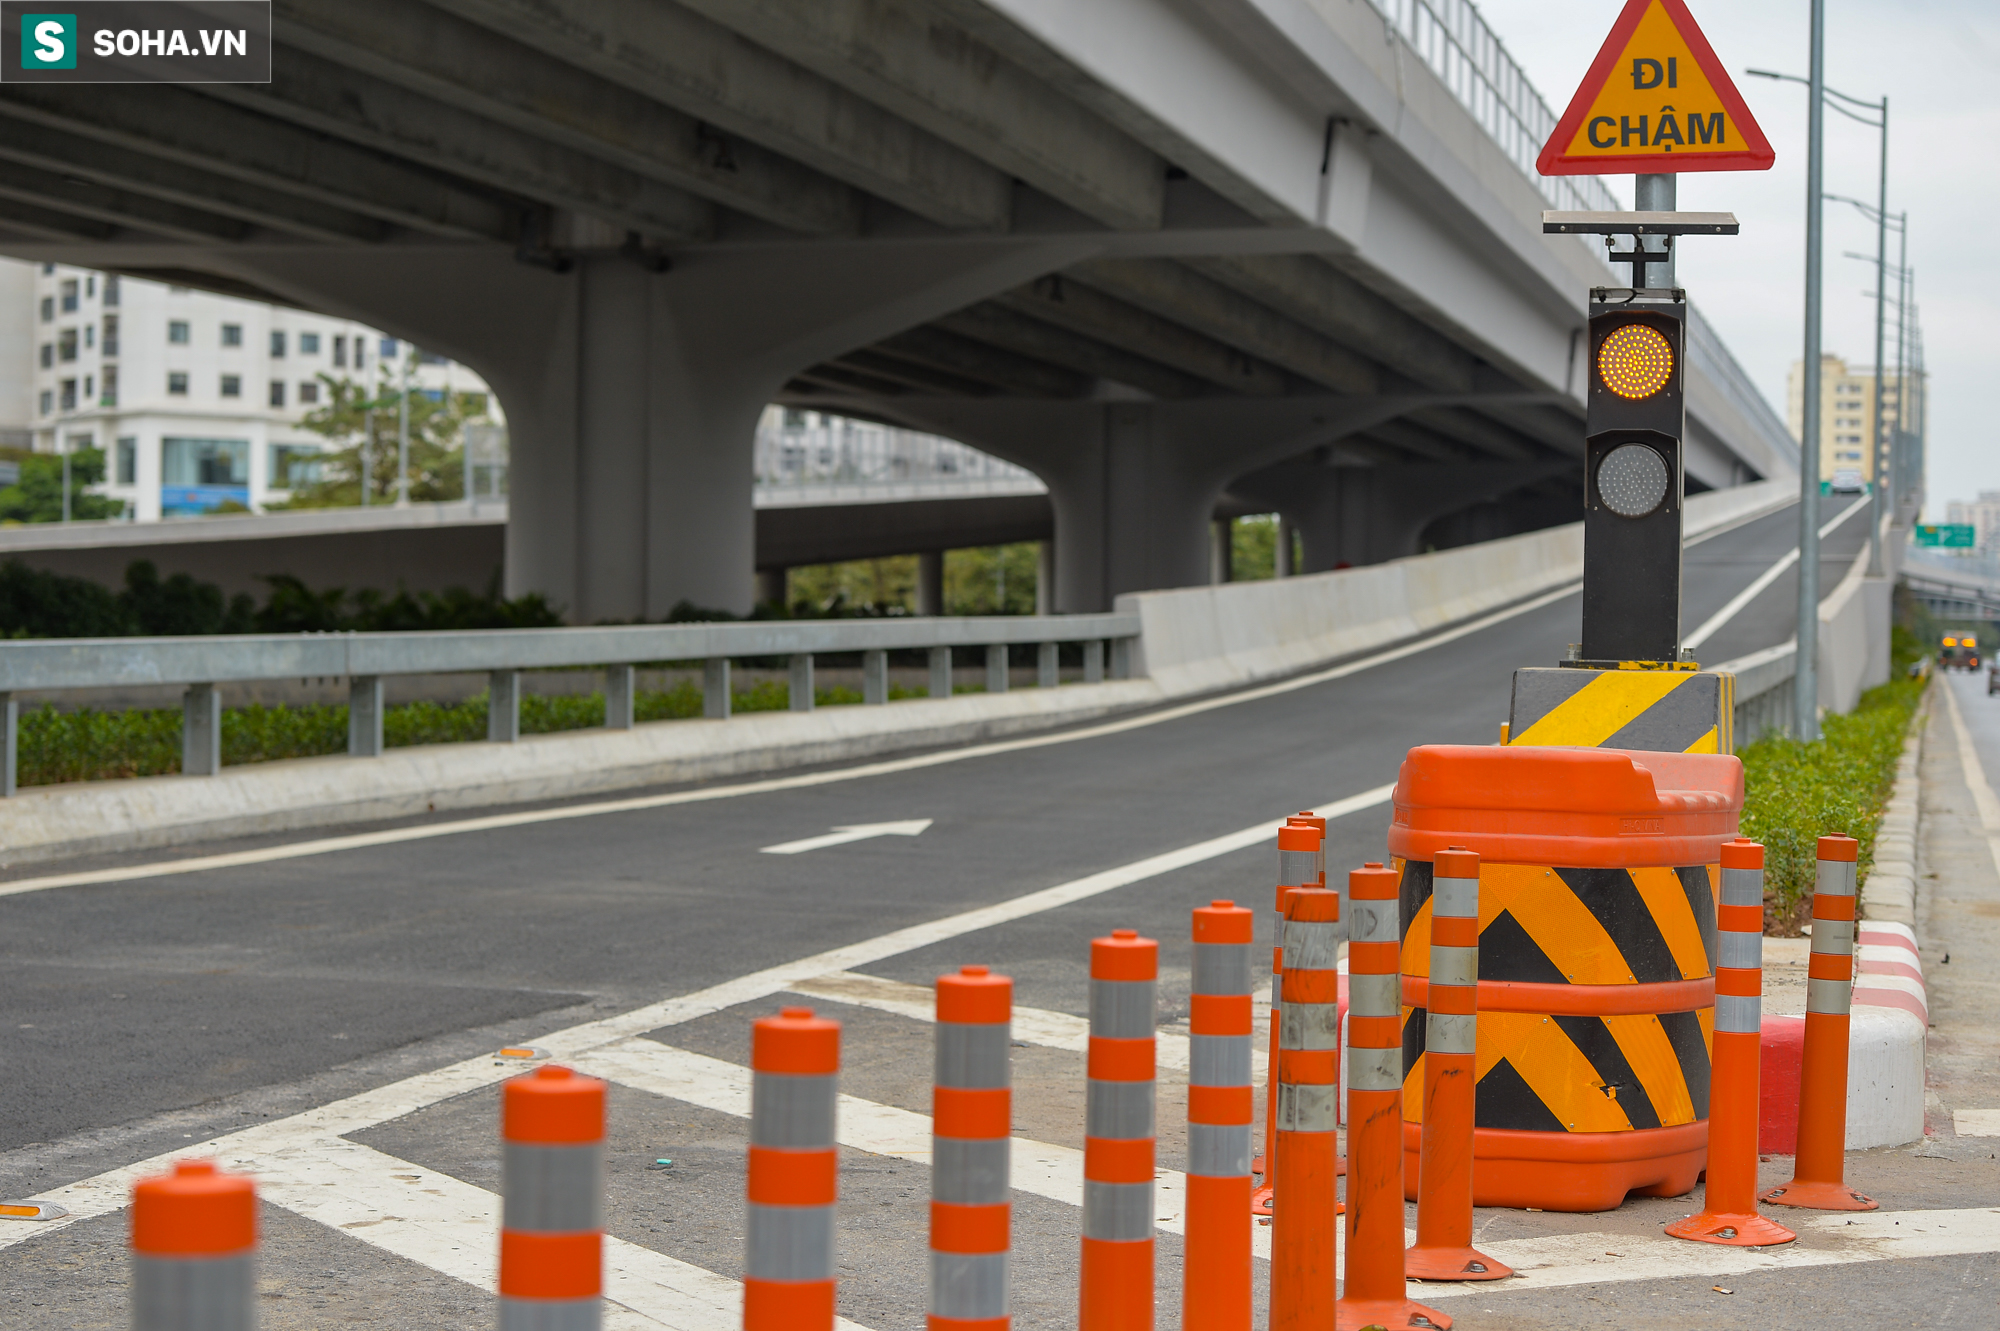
[{"x": 1149, "y": 249}]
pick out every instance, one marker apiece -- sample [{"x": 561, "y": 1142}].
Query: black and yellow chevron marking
[
  {"x": 1578, "y": 1074},
  {"x": 1674, "y": 711},
  {"x": 1551, "y": 925}
]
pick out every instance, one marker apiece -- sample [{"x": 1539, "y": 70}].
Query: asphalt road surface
[{"x": 328, "y": 1019}]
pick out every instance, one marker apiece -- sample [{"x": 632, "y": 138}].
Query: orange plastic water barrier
[
  {"x": 971, "y": 1110},
  {"x": 1373, "y": 1293},
  {"x": 1599, "y": 876},
  {"x": 1729, "y": 1211},
  {"x": 194, "y": 1248},
  {"x": 1304, "y": 1233},
  {"x": 788, "y": 1282},
  {"x": 1215, "y": 1289},
  {"x": 552, "y": 1199},
  {"x": 1819, "y": 1180},
  {"x": 1117, "y": 1286},
  {"x": 1443, "y": 1250}
]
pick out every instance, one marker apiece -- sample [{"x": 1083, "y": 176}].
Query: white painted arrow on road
[{"x": 840, "y": 836}]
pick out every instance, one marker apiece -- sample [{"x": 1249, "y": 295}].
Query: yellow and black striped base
[
  {"x": 1594, "y": 1011},
  {"x": 1672, "y": 711}
]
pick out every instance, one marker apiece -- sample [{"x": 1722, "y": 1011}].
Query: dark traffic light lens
[
  {"x": 1632, "y": 480},
  {"x": 1635, "y": 361}
]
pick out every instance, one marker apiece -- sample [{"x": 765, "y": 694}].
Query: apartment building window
[
  {"x": 232, "y": 385},
  {"x": 177, "y": 332},
  {"x": 309, "y": 344},
  {"x": 90, "y": 285},
  {"x": 48, "y": 402},
  {"x": 66, "y": 344},
  {"x": 177, "y": 383},
  {"x": 111, "y": 289},
  {"x": 128, "y": 461},
  {"x": 48, "y": 355},
  {"x": 232, "y": 335},
  {"x": 277, "y": 344},
  {"x": 69, "y": 395},
  {"x": 308, "y": 394},
  {"x": 110, "y": 398},
  {"x": 69, "y": 295},
  {"x": 48, "y": 270},
  {"x": 110, "y": 334},
  {"x": 89, "y": 388},
  {"x": 339, "y": 352},
  {"x": 277, "y": 392},
  {"x": 89, "y": 335},
  {"x": 388, "y": 347},
  {"x": 48, "y": 309},
  {"x": 293, "y": 465}
]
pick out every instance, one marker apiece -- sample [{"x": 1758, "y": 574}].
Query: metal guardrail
[
  {"x": 364, "y": 659},
  {"x": 1453, "y": 39}
]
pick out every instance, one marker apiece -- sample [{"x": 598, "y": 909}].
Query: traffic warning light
[{"x": 1634, "y": 422}]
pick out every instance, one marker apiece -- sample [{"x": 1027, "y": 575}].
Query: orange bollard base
[
  {"x": 1264, "y": 1201},
  {"x": 1733, "y": 1231},
  {"x": 1440, "y": 1263},
  {"x": 1813, "y": 1195},
  {"x": 1388, "y": 1314},
  {"x": 1573, "y": 1171}
]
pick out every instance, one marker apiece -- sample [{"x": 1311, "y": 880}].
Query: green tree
[
  {"x": 363, "y": 426},
  {"x": 38, "y": 495},
  {"x": 991, "y": 580}
]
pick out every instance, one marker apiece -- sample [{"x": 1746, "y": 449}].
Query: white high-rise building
[{"x": 196, "y": 398}]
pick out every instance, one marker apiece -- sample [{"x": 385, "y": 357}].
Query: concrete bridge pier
[
  {"x": 633, "y": 388},
  {"x": 1134, "y": 483}
]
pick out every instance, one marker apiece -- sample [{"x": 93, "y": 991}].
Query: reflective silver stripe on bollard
[
  {"x": 788, "y": 1277},
  {"x": 1833, "y": 938},
  {"x": 194, "y": 1293},
  {"x": 1741, "y": 1014}
]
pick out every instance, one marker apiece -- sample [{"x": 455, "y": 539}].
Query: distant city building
[
  {"x": 17, "y": 354},
  {"x": 814, "y": 454},
  {"x": 195, "y": 398},
  {"x": 1847, "y": 406},
  {"x": 1982, "y": 514}
]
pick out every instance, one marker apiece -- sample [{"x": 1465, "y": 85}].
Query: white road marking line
[
  {"x": 1036, "y": 1026},
  {"x": 1976, "y": 1122},
  {"x": 107, "y": 1192},
  {"x": 1041, "y": 1168},
  {"x": 841, "y": 836},
  {"x": 1975, "y": 775},
  {"x": 1770, "y": 575},
  {"x": 805, "y": 780},
  {"x": 1562, "y": 1260}
]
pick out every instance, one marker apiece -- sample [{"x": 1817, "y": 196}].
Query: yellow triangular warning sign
[{"x": 1656, "y": 99}]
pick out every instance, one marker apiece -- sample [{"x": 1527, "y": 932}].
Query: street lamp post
[{"x": 1805, "y": 682}]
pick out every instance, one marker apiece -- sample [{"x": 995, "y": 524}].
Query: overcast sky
[{"x": 1937, "y": 61}]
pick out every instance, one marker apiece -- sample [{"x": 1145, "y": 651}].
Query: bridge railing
[
  {"x": 365, "y": 659},
  {"x": 1453, "y": 39}
]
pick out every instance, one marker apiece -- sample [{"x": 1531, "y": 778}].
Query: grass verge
[
  {"x": 88, "y": 745},
  {"x": 1795, "y": 793}
]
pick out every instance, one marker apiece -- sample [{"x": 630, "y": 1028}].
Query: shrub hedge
[{"x": 1795, "y": 793}]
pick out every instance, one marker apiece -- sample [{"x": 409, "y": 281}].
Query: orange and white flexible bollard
[
  {"x": 551, "y": 1201},
  {"x": 1301, "y": 863},
  {"x": 1373, "y": 1294},
  {"x": 1117, "y": 1284},
  {"x": 1443, "y": 1250},
  {"x": 1215, "y": 1268},
  {"x": 971, "y": 1110},
  {"x": 1819, "y": 1173},
  {"x": 1729, "y": 1203},
  {"x": 194, "y": 1250},
  {"x": 1304, "y": 1231},
  {"x": 788, "y": 1280}
]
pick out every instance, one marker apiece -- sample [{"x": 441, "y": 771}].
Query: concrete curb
[
  {"x": 50, "y": 822},
  {"x": 1891, "y": 1012}
]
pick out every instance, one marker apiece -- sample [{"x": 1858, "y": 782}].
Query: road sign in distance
[
  {"x": 1947, "y": 535},
  {"x": 1656, "y": 100}
]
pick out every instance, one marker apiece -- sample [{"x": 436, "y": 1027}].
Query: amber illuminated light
[{"x": 1635, "y": 361}]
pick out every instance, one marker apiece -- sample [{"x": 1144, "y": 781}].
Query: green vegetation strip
[
  {"x": 88, "y": 745},
  {"x": 1796, "y": 793}
]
